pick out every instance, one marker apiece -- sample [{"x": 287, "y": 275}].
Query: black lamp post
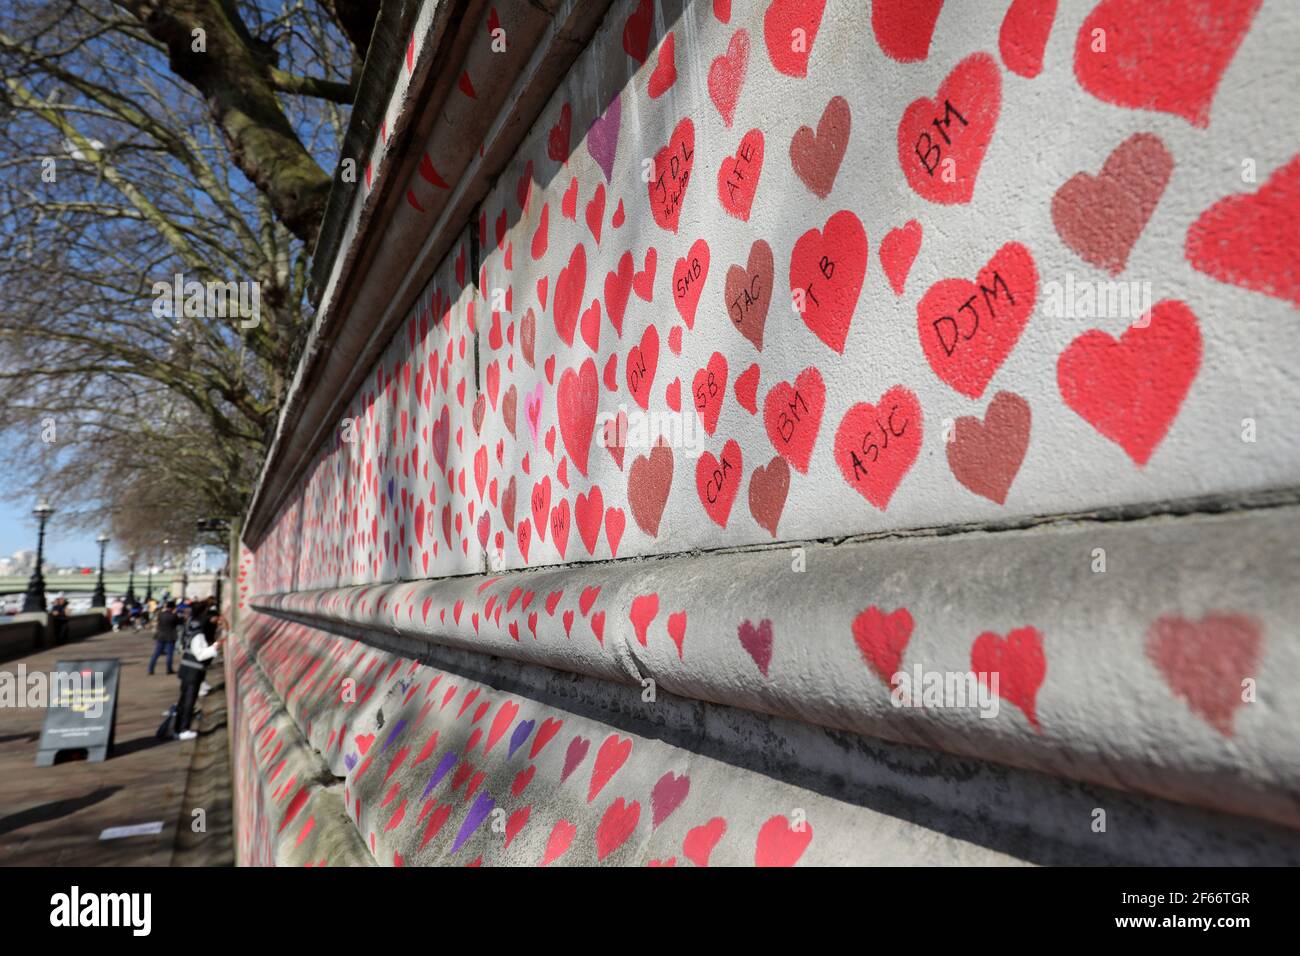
[
  {"x": 148, "y": 594},
  {"x": 97, "y": 599},
  {"x": 130, "y": 583},
  {"x": 34, "y": 600}
]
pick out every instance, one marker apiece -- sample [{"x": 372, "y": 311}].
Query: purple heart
[
  {"x": 602, "y": 138},
  {"x": 520, "y": 735},
  {"x": 758, "y": 642},
  {"x": 350, "y": 761},
  {"x": 390, "y": 490},
  {"x": 397, "y": 729},
  {"x": 477, "y": 813},
  {"x": 575, "y": 755},
  {"x": 667, "y": 796},
  {"x": 444, "y": 765}
]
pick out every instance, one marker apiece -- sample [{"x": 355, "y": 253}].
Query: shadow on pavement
[{"x": 54, "y": 810}]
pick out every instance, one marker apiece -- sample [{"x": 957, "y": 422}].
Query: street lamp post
[
  {"x": 130, "y": 583},
  {"x": 34, "y": 600},
  {"x": 148, "y": 594},
  {"x": 98, "y": 599}
]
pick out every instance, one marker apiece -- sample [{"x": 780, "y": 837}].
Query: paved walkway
[{"x": 53, "y": 816}]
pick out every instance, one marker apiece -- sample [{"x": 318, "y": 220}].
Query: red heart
[
  {"x": 1130, "y": 390},
  {"x": 968, "y": 329},
  {"x": 595, "y": 215},
  {"x": 611, "y": 756},
  {"x": 557, "y": 844},
  {"x": 590, "y": 326},
  {"x": 614, "y": 435},
  {"x": 1019, "y": 662},
  {"x": 793, "y": 416},
  {"x": 560, "y": 526},
  {"x": 789, "y": 29},
  {"x": 727, "y": 75},
  {"x": 816, "y": 157},
  {"x": 700, "y": 841},
  {"x": 648, "y": 482},
  {"x": 1024, "y": 34},
  {"x": 986, "y": 456},
  {"x": 738, "y": 176},
  {"x": 748, "y": 293},
  {"x": 611, "y": 372},
  {"x": 644, "y": 609},
  {"x": 569, "y": 203},
  {"x": 1101, "y": 217},
  {"x": 643, "y": 283},
  {"x": 780, "y": 844},
  {"x": 710, "y": 389},
  {"x": 768, "y": 487},
  {"x": 636, "y": 30},
  {"x": 882, "y": 638},
  {"x": 541, "y": 502},
  {"x": 826, "y": 271},
  {"x": 642, "y": 362},
  {"x": 578, "y": 397},
  {"x": 570, "y": 291},
  {"x": 1206, "y": 661},
  {"x": 557, "y": 143},
  {"x": 673, "y": 395},
  {"x": 672, "y": 174},
  {"x": 897, "y": 253},
  {"x": 677, "y": 630},
  {"x": 689, "y": 276},
  {"x": 615, "y": 522},
  {"x": 718, "y": 479},
  {"x": 1225, "y": 241},
  {"x": 875, "y": 446},
  {"x": 665, "y": 71},
  {"x": 616, "y": 826},
  {"x": 618, "y": 286},
  {"x": 941, "y": 142},
  {"x": 588, "y": 511},
  {"x": 1137, "y": 67},
  {"x": 904, "y": 27},
  {"x": 548, "y": 729},
  {"x": 747, "y": 389}
]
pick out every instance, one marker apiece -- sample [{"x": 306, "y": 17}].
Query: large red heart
[
  {"x": 709, "y": 388},
  {"x": 738, "y": 176},
  {"x": 672, "y": 174},
  {"x": 570, "y": 289},
  {"x": 611, "y": 756},
  {"x": 826, "y": 271},
  {"x": 578, "y": 396},
  {"x": 648, "y": 482},
  {"x": 816, "y": 157},
  {"x": 700, "y": 841},
  {"x": 1253, "y": 240},
  {"x": 588, "y": 512},
  {"x": 780, "y": 844},
  {"x": 616, "y": 826},
  {"x": 941, "y": 142},
  {"x": 1130, "y": 390},
  {"x": 727, "y": 75},
  {"x": 718, "y": 479},
  {"x": 1123, "y": 54},
  {"x": 904, "y": 27},
  {"x": 793, "y": 416},
  {"x": 968, "y": 329},
  {"x": 1101, "y": 217},
  {"x": 1206, "y": 662},
  {"x": 642, "y": 361},
  {"x": 789, "y": 29},
  {"x": 882, "y": 638},
  {"x": 689, "y": 276},
  {"x": 876, "y": 445},
  {"x": 1019, "y": 662},
  {"x": 985, "y": 456},
  {"x": 618, "y": 286}
]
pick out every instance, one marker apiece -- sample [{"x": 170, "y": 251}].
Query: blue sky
[{"x": 18, "y": 530}]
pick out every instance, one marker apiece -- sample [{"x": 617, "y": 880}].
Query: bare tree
[{"x": 149, "y": 149}]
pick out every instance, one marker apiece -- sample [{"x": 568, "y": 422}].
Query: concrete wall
[
  {"x": 773, "y": 276},
  {"x": 31, "y": 632}
]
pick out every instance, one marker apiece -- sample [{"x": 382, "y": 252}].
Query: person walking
[
  {"x": 115, "y": 613},
  {"x": 165, "y": 633},
  {"x": 59, "y": 618},
  {"x": 194, "y": 665}
]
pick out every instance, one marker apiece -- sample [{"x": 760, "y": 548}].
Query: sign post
[{"x": 82, "y": 710}]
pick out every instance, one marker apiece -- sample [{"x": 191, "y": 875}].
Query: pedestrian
[
  {"x": 59, "y": 618},
  {"x": 194, "y": 665},
  {"x": 115, "y": 612},
  {"x": 166, "y": 630}
]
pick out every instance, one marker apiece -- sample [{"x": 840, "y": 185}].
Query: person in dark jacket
[
  {"x": 165, "y": 633},
  {"x": 194, "y": 665}
]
